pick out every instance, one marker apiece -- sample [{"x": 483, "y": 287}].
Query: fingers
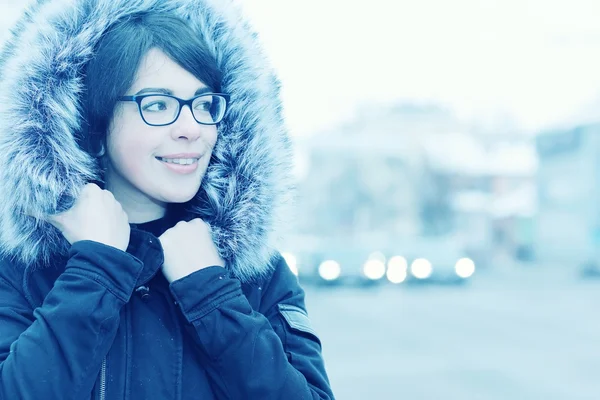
[{"x": 56, "y": 220}]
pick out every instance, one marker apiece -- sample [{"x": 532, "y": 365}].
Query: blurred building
[
  {"x": 362, "y": 179},
  {"x": 491, "y": 182},
  {"x": 568, "y": 223},
  {"x": 413, "y": 170},
  {"x": 373, "y": 175}
]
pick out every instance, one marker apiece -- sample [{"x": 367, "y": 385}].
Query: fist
[
  {"x": 188, "y": 247},
  {"x": 97, "y": 216}
]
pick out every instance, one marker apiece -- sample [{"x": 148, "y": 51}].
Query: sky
[{"x": 534, "y": 62}]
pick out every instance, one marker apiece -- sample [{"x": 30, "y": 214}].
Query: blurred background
[{"x": 447, "y": 159}]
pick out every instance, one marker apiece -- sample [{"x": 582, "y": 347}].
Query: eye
[
  {"x": 155, "y": 106},
  {"x": 203, "y": 105}
]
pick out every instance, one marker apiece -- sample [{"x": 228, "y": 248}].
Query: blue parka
[{"x": 90, "y": 321}]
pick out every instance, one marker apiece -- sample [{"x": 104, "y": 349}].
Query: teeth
[{"x": 182, "y": 161}]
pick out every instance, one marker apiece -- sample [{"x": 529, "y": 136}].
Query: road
[{"x": 519, "y": 335}]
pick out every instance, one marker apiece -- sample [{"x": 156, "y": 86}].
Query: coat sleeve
[
  {"x": 272, "y": 353},
  {"x": 55, "y": 351}
]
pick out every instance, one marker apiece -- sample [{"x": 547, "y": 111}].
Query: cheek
[
  {"x": 211, "y": 136},
  {"x": 126, "y": 145}
]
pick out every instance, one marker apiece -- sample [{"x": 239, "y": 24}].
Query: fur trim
[{"x": 42, "y": 169}]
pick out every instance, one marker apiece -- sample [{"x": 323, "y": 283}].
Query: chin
[{"x": 179, "y": 196}]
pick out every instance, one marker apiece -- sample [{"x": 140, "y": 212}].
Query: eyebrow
[{"x": 170, "y": 92}]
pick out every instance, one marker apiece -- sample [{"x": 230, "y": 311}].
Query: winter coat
[{"x": 91, "y": 321}]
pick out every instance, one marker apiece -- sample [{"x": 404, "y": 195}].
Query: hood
[{"x": 42, "y": 169}]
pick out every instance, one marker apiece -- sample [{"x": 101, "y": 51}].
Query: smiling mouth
[{"x": 179, "y": 161}]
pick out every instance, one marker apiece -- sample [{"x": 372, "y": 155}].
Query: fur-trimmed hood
[{"x": 42, "y": 168}]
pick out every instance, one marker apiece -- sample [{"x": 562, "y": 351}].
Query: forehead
[{"x": 157, "y": 70}]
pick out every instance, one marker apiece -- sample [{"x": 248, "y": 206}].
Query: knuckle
[
  {"x": 54, "y": 218},
  {"x": 90, "y": 187}
]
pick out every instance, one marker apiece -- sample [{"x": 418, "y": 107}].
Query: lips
[
  {"x": 180, "y": 166},
  {"x": 180, "y": 158}
]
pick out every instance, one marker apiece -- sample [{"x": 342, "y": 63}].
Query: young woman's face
[{"x": 136, "y": 170}]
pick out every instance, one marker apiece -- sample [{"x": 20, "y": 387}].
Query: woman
[{"x": 143, "y": 171}]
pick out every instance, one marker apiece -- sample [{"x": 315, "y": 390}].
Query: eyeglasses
[{"x": 164, "y": 109}]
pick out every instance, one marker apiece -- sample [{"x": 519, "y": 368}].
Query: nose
[{"x": 186, "y": 126}]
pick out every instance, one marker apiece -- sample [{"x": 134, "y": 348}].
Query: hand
[
  {"x": 97, "y": 216},
  {"x": 188, "y": 247}
]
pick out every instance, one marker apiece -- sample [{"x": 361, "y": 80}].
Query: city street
[{"x": 517, "y": 335}]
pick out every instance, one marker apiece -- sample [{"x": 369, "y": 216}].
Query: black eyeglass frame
[{"x": 138, "y": 98}]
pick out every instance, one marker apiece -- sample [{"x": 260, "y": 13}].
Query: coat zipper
[{"x": 103, "y": 380}]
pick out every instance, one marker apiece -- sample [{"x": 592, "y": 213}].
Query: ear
[{"x": 97, "y": 145}]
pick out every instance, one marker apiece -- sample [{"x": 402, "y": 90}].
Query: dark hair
[{"x": 117, "y": 57}]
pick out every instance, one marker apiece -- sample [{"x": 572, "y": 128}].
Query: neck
[{"x": 139, "y": 207}]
